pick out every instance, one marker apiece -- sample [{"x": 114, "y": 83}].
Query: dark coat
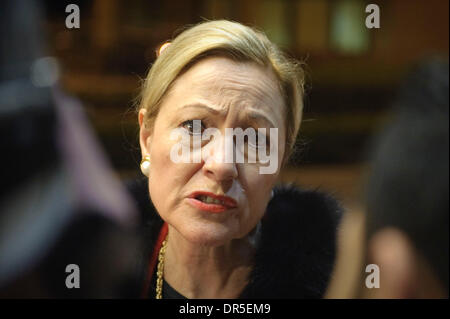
[{"x": 297, "y": 247}]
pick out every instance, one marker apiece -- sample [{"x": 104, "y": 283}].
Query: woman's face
[{"x": 222, "y": 94}]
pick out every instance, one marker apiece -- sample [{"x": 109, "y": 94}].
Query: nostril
[{"x": 220, "y": 171}]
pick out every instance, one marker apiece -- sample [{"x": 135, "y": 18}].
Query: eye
[
  {"x": 258, "y": 139},
  {"x": 190, "y": 125}
]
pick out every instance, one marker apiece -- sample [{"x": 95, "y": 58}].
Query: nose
[{"x": 217, "y": 166}]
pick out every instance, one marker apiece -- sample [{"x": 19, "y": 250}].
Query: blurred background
[{"x": 353, "y": 72}]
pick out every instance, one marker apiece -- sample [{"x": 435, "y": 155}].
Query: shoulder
[
  {"x": 311, "y": 215},
  {"x": 297, "y": 249},
  {"x": 150, "y": 224}
]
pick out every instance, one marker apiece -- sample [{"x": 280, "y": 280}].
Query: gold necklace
[{"x": 160, "y": 270}]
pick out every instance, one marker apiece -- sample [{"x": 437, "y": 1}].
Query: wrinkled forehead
[{"x": 223, "y": 83}]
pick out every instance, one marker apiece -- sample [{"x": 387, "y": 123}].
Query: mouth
[{"x": 210, "y": 202}]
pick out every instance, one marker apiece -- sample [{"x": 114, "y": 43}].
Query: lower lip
[{"x": 211, "y": 208}]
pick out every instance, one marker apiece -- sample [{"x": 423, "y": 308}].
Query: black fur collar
[{"x": 297, "y": 246}]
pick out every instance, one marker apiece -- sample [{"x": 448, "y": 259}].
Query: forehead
[{"x": 223, "y": 83}]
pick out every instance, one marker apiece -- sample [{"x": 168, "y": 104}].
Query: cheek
[
  {"x": 258, "y": 189},
  {"x": 160, "y": 159},
  {"x": 166, "y": 177}
]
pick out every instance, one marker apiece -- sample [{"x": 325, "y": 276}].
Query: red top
[{"x": 154, "y": 259}]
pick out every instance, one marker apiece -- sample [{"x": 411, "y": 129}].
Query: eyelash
[
  {"x": 191, "y": 122},
  {"x": 256, "y": 145}
]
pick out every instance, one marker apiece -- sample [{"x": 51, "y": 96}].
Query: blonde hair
[{"x": 238, "y": 42}]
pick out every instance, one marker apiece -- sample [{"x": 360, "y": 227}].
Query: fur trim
[
  {"x": 298, "y": 245},
  {"x": 297, "y": 248}
]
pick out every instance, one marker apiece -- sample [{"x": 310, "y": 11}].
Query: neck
[{"x": 197, "y": 271}]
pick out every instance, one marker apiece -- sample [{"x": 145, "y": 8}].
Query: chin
[{"x": 208, "y": 235}]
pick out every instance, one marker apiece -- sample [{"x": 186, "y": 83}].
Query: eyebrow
[
  {"x": 202, "y": 106},
  {"x": 250, "y": 115}
]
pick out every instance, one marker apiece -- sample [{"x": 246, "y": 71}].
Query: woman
[{"x": 218, "y": 228}]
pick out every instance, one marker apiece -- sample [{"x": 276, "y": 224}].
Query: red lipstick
[{"x": 200, "y": 200}]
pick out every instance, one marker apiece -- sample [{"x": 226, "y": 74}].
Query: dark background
[{"x": 353, "y": 72}]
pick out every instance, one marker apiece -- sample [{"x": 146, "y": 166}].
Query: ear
[
  {"x": 145, "y": 134},
  {"x": 391, "y": 250}
]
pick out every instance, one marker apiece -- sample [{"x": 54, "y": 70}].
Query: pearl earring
[{"x": 145, "y": 165}]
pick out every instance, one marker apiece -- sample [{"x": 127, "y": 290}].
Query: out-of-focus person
[
  {"x": 66, "y": 223},
  {"x": 403, "y": 236}
]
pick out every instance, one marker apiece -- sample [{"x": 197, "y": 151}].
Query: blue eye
[{"x": 190, "y": 126}]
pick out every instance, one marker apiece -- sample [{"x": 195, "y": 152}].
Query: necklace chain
[{"x": 160, "y": 270}]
